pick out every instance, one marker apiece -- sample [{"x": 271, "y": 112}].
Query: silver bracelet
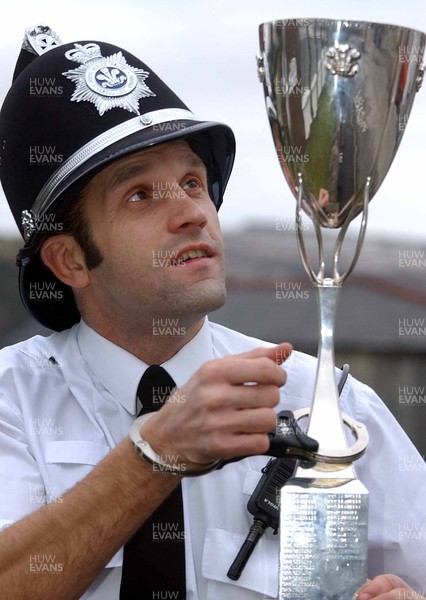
[{"x": 146, "y": 452}]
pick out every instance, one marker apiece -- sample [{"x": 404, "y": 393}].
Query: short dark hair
[{"x": 75, "y": 223}]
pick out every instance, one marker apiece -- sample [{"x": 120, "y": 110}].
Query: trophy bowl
[{"x": 338, "y": 96}]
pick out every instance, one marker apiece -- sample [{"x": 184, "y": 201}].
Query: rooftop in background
[
  {"x": 382, "y": 305},
  {"x": 270, "y": 295}
]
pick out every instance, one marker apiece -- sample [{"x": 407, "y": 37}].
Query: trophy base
[{"x": 323, "y": 537}]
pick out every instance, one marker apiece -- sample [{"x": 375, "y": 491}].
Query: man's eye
[
  {"x": 137, "y": 196},
  {"x": 191, "y": 184}
]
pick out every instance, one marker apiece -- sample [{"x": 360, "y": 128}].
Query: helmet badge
[
  {"x": 107, "y": 82},
  {"x": 40, "y": 39}
]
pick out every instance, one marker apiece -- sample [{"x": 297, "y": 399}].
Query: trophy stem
[{"x": 325, "y": 422}]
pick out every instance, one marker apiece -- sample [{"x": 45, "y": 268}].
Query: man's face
[{"x": 157, "y": 228}]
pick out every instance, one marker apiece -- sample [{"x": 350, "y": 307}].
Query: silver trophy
[{"x": 338, "y": 95}]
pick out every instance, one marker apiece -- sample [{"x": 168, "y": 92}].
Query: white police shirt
[{"x": 68, "y": 399}]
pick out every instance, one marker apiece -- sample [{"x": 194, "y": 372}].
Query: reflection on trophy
[{"x": 338, "y": 95}]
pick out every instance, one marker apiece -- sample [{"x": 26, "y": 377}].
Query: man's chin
[
  {"x": 213, "y": 301},
  {"x": 218, "y": 304},
  {"x": 209, "y": 299}
]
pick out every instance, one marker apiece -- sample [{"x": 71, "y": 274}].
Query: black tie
[{"x": 154, "y": 558}]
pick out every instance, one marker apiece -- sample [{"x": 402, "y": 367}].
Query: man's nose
[{"x": 186, "y": 211}]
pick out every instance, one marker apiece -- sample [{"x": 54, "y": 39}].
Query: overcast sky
[{"x": 205, "y": 51}]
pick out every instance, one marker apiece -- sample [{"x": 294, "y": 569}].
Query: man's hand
[
  {"x": 387, "y": 587},
  {"x": 225, "y": 410}
]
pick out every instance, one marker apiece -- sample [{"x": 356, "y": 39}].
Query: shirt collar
[{"x": 120, "y": 371}]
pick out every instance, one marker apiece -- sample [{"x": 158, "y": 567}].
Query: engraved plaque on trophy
[{"x": 338, "y": 95}]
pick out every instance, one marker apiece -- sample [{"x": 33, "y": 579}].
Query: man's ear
[{"x": 63, "y": 255}]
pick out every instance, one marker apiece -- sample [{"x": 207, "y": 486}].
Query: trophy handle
[
  {"x": 360, "y": 240},
  {"x": 318, "y": 278}
]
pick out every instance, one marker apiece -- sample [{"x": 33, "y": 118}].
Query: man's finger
[
  {"x": 277, "y": 353},
  {"x": 381, "y": 585},
  {"x": 237, "y": 371}
]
